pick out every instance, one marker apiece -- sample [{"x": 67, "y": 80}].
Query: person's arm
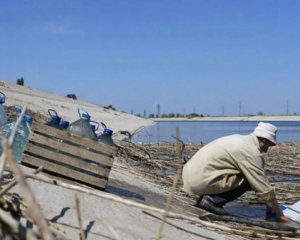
[
  {"x": 252, "y": 168},
  {"x": 273, "y": 205}
]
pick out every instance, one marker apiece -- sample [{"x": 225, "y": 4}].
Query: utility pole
[
  {"x": 158, "y": 110},
  {"x": 287, "y": 107}
]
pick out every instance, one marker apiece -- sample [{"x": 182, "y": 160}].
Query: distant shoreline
[{"x": 266, "y": 118}]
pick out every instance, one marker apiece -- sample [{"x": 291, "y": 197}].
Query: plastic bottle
[
  {"x": 291, "y": 211},
  {"x": 82, "y": 126},
  {"x": 94, "y": 126},
  {"x": 3, "y": 114},
  {"x": 21, "y": 137},
  {"x": 56, "y": 121},
  {"x": 64, "y": 124},
  {"x": 106, "y": 136}
]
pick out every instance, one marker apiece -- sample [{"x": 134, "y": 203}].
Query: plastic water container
[
  {"x": 82, "y": 126},
  {"x": 64, "y": 124},
  {"x": 21, "y": 137},
  {"x": 3, "y": 114},
  {"x": 56, "y": 121},
  {"x": 291, "y": 211},
  {"x": 94, "y": 125},
  {"x": 106, "y": 136}
]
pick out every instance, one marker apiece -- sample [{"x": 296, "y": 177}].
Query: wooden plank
[
  {"x": 64, "y": 171},
  {"x": 191, "y": 210},
  {"x": 67, "y": 156},
  {"x": 67, "y": 136},
  {"x": 250, "y": 221},
  {"x": 70, "y": 149},
  {"x": 67, "y": 160}
]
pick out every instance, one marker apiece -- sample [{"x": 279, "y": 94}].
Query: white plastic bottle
[
  {"x": 3, "y": 114},
  {"x": 291, "y": 211}
]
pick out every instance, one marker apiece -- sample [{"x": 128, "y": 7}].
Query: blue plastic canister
[
  {"x": 106, "y": 136},
  {"x": 56, "y": 121},
  {"x": 82, "y": 126},
  {"x": 3, "y": 114},
  {"x": 21, "y": 137},
  {"x": 64, "y": 124}
]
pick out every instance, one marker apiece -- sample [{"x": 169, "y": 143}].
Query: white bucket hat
[{"x": 267, "y": 131}]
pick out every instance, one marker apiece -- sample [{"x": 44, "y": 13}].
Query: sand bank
[{"x": 41, "y": 101}]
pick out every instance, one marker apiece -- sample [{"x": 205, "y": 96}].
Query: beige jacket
[{"x": 224, "y": 164}]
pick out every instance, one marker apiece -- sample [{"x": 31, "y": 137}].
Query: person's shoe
[{"x": 207, "y": 204}]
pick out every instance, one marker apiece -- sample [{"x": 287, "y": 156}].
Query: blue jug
[
  {"x": 56, "y": 121},
  {"x": 21, "y": 137},
  {"x": 3, "y": 114},
  {"x": 82, "y": 126},
  {"x": 106, "y": 136}
]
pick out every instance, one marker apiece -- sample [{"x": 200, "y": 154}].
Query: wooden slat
[
  {"x": 61, "y": 158},
  {"x": 68, "y": 156},
  {"x": 53, "y": 132},
  {"x": 64, "y": 171},
  {"x": 73, "y": 150}
]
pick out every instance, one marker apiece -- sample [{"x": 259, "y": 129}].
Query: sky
[{"x": 212, "y": 57}]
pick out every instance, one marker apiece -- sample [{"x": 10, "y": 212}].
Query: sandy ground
[
  {"x": 67, "y": 109},
  {"x": 58, "y": 204}
]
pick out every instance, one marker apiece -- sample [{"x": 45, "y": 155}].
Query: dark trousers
[{"x": 221, "y": 199}]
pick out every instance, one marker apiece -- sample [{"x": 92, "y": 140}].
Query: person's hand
[{"x": 284, "y": 219}]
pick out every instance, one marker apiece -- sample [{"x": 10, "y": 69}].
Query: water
[
  {"x": 206, "y": 131},
  {"x": 21, "y": 138},
  {"x": 3, "y": 115}
]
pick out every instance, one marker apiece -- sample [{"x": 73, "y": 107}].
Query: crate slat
[
  {"x": 63, "y": 172},
  {"x": 69, "y": 157},
  {"x": 62, "y": 159},
  {"x": 70, "y": 149},
  {"x": 67, "y": 136}
]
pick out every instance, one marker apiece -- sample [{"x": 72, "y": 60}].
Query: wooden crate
[{"x": 69, "y": 156}]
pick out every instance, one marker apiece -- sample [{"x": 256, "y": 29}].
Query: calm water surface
[{"x": 206, "y": 131}]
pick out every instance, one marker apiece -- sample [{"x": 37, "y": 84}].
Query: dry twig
[
  {"x": 17, "y": 228},
  {"x": 82, "y": 235},
  {"x": 173, "y": 190},
  {"x": 34, "y": 208},
  {"x": 14, "y": 182},
  {"x": 109, "y": 227}
]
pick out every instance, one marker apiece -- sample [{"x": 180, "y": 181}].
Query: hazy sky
[{"x": 207, "y": 56}]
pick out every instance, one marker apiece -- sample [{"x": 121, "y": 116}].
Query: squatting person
[{"x": 227, "y": 167}]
